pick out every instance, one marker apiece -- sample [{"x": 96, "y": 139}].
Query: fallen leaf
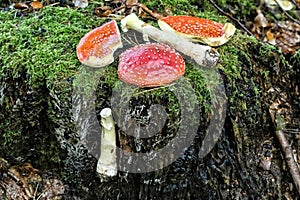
[
  {"x": 131, "y": 2},
  {"x": 103, "y": 11},
  {"x": 260, "y": 20},
  {"x": 270, "y": 36},
  {"x": 53, "y": 188},
  {"x": 23, "y": 182},
  {"x": 36, "y": 5},
  {"x": 289, "y": 38},
  {"x": 20, "y": 6}
]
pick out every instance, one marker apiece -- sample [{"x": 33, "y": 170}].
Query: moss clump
[
  {"x": 10, "y": 137},
  {"x": 182, "y": 6},
  {"x": 44, "y": 43},
  {"x": 37, "y": 56}
]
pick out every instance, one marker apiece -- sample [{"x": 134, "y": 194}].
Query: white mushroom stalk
[
  {"x": 107, "y": 163},
  {"x": 202, "y": 54}
]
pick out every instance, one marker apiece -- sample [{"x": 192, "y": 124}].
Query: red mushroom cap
[
  {"x": 198, "y": 29},
  {"x": 194, "y": 26},
  {"x": 96, "y": 48},
  {"x": 150, "y": 65}
]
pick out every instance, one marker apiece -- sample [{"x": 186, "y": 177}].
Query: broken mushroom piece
[
  {"x": 107, "y": 163},
  {"x": 96, "y": 48},
  {"x": 198, "y": 29},
  {"x": 150, "y": 65}
]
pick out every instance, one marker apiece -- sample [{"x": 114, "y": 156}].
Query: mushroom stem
[
  {"x": 107, "y": 163},
  {"x": 202, "y": 54}
]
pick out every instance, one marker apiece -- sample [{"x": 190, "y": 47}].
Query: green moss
[
  {"x": 10, "y": 137},
  {"x": 238, "y": 63},
  {"x": 182, "y": 6},
  {"x": 243, "y": 8},
  {"x": 297, "y": 54},
  {"x": 229, "y": 54},
  {"x": 43, "y": 43}
]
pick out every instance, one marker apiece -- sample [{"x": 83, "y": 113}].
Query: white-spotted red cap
[
  {"x": 96, "y": 48},
  {"x": 198, "y": 29},
  {"x": 150, "y": 65}
]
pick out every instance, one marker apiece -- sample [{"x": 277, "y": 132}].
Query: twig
[
  {"x": 295, "y": 3},
  {"x": 293, "y": 131},
  {"x": 140, "y": 5},
  {"x": 287, "y": 151},
  {"x": 232, "y": 18},
  {"x": 54, "y": 4},
  {"x": 287, "y": 14},
  {"x": 152, "y": 89},
  {"x": 289, "y": 158},
  {"x": 153, "y": 14}
]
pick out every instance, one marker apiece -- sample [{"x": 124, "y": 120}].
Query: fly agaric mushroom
[
  {"x": 202, "y": 54},
  {"x": 198, "y": 29},
  {"x": 96, "y": 48},
  {"x": 150, "y": 65}
]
